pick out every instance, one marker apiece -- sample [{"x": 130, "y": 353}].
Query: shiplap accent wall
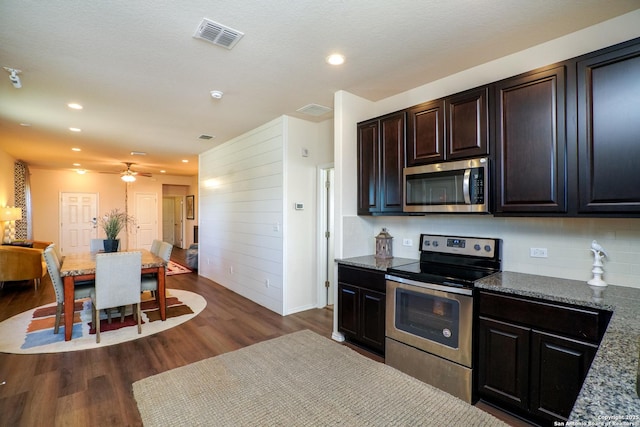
[
  {"x": 252, "y": 240},
  {"x": 241, "y": 196}
]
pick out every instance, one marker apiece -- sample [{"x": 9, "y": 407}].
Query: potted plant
[{"x": 112, "y": 223}]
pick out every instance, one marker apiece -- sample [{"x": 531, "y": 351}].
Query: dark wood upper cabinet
[
  {"x": 368, "y": 167},
  {"x": 467, "y": 124},
  {"x": 380, "y": 162},
  {"x": 446, "y": 129},
  {"x": 609, "y": 131},
  {"x": 425, "y": 133},
  {"x": 531, "y": 171}
]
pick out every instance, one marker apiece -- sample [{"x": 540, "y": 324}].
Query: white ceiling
[{"x": 144, "y": 80}]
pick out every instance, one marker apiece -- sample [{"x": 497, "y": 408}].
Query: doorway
[
  {"x": 173, "y": 220},
  {"x": 326, "y": 256},
  {"x": 78, "y": 221}
]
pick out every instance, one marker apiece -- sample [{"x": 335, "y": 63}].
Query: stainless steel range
[{"x": 429, "y": 321}]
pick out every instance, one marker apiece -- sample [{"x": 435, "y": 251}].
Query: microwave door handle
[{"x": 466, "y": 185}]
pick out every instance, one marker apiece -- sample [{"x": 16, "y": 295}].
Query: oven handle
[
  {"x": 466, "y": 185},
  {"x": 435, "y": 287}
]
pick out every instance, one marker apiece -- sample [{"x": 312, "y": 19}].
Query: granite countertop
[
  {"x": 608, "y": 394},
  {"x": 370, "y": 261}
]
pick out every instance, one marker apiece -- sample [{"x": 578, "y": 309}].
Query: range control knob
[
  {"x": 476, "y": 247},
  {"x": 487, "y": 248},
  {"x": 426, "y": 243},
  {"x": 435, "y": 243}
]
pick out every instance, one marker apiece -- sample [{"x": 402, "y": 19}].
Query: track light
[{"x": 13, "y": 77}]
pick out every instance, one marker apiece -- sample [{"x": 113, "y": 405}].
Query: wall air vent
[
  {"x": 314, "y": 110},
  {"x": 218, "y": 34}
]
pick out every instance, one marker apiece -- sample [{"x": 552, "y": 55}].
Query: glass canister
[{"x": 384, "y": 248}]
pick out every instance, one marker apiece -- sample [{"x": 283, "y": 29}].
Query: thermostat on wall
[{"x": 299, "y": 206}]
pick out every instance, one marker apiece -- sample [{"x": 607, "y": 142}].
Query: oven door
[{"x": 438, "y": 321}]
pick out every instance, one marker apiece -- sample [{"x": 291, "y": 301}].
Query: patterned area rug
[
  {"x": 32, "y": 331},
  {"x": 300, "y": 379},
  {"x": 174, "y": 268}
]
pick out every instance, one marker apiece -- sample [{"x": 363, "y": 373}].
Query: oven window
[{"x": 428, "y": 316}]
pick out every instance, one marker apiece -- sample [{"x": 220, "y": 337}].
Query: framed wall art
[{"x": 191, "y": 207}]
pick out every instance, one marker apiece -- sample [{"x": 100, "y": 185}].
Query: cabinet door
[
  {"x": 503, "y": 361},
  {"x": 368, "y": 168},
  {"x": 558, "y": 369},
  {"x": 372, "y": 305},
  {"x": 392, "y": 130},
  {"x": 609, "y": 131},
  {"x": 348, "y": 310},
  {"x": 467, "y": 124},
  {"x": 531, "y": 170},
  {"x": 425, "y": 133}
]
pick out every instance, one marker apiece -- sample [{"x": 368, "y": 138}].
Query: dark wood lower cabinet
[
  {"x": 534, "y": 373},
  {"x": 503, "y": 362},
  {"x": 558, "y": 368},
  {"x": 361, "y": 307}
]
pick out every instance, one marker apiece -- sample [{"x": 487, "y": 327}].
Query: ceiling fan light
[{"x": 128, "y": 178}]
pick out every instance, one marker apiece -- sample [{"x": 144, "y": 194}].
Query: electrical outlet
[
  {"x": 407, "y": 242},
  {"x": 538, "y": 252}
]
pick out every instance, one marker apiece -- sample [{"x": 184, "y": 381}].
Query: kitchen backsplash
[{"x": 567, "y": 240}]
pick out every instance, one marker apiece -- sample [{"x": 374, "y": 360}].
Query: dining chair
[
  {"x": 149, "y": 282},
  {"x": 81, "y": 290},
  {"x": 96, "y": 245},
  {"x": 117, "y": 284},
  {"x": 155, "y": 246}
]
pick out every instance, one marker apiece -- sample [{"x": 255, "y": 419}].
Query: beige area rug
[{"x": 300, "y": 379}]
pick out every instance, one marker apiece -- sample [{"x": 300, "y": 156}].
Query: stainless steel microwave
[{"x": 458, "y": 187}]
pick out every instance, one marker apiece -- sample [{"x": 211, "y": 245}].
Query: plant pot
[{"x": 111, "y": 245}]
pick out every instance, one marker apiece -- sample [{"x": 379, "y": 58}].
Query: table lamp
[{"x": 9, "y": 215}]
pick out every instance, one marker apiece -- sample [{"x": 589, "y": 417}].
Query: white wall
[
  {"x": 300, "y": 226},
  {"x": 567, "y": 239},
  {"x": 252, "y": 241}
]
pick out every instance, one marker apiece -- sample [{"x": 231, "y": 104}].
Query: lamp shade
[{"x": 10, "y": 214}]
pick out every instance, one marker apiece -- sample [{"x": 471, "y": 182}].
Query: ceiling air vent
[
  {"x": 218, "y": 34},
  {"x": 314, "y": 110},
  {"x": 205, "y": 137}
]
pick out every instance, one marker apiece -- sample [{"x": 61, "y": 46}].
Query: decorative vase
[{"x": 111, "y": 245}]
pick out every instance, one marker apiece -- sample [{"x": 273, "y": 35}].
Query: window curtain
[{"x": 22, "y": 195}]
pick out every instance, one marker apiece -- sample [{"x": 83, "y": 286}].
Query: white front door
[
  {"x": 146, "y": 214},
  {"x": 78, "y": 213}
]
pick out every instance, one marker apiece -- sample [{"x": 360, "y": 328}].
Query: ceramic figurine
[{"x": 596, "y": 283}]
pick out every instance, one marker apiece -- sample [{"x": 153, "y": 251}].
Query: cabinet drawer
[
  {"x": 577, "y": 322},
  {"x": 362, "y": 277}
]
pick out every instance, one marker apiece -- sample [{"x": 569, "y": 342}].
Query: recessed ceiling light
[
  {"x": 81, "y": 171},
  {"x": 76, "y": 149},
  {"x": 74, "y": 106},
  {"x": 75, "y": 129},
  {"x": 216, "y": 94},
  {"x": 26, "y": 125},
  {"x": 163, "y": 171},
  {"x": 76, "y": 164},
  {"x": 185, "y": 161},
  {"x": 335, "y": 59}
]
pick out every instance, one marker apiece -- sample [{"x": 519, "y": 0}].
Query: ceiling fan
[{"x": 129, "y": 175}]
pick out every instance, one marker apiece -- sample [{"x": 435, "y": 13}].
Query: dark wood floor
[{"x": 93, "y": 387}]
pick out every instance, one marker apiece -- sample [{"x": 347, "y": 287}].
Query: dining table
[{"x": 81, "y": 267}]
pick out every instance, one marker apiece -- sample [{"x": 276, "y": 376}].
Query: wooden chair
[
  {"x": 117, "y": 284},
  {"x": 81, "y": 290}
]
